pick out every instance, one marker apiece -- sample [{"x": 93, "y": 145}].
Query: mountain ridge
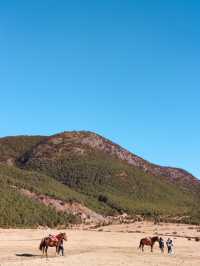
[
  {"x": 96, "y": 141},
  {"x": 132, "y": 158},
  {"x": 88, "y": 169}
]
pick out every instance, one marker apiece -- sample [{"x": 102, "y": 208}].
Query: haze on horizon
[{"x": 128, "y": 70}]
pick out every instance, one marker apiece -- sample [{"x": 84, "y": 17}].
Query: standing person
[
  {"x": 161, "y": 244},
  {"x": 170, "y": 245},
  {"x": 61, "y": 248}
]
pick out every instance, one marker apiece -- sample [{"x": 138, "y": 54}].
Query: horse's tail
[{"x": 41, "y": 244}]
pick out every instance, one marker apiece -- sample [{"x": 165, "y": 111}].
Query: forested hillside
[{"x": 86, "y": 168}]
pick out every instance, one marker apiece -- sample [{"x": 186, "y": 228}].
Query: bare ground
[{"x": 111, "y": 245}]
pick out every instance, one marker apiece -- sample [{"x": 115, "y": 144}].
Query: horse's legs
[
  {"x": 151, "y": 248},
  {"x": 43, "y": 249},
  {"x": 46, "y": 248},
  {"x": 141, "y": 246}
]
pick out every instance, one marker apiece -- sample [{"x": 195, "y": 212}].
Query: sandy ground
[{"x": 111, "y": 245}]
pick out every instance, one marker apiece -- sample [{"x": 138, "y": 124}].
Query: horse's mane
[
  {"x": 60, "y": 234},
  {"x": 155, "y": 238}
]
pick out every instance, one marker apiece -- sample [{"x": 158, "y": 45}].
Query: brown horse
[
  {"x": 49, "y": 242},
  {"x": 148, "y": 241}
]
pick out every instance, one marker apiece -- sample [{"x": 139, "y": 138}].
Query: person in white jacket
[{"x": 170, "y": 245}]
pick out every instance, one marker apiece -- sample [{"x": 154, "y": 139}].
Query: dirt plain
[{"x": 110, "y": 245}]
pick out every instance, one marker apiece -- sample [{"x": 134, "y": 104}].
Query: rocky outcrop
[{"x": 86, "y": 215}]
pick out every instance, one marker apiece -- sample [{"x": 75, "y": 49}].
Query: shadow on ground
[{"x": 27, "y": 255}]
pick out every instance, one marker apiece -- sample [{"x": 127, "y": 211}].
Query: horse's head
[{"x": 64, "y": 236}]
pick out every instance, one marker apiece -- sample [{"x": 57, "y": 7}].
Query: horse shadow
[{"x": 27, "y": 255}]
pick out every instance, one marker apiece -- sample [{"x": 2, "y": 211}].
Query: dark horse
[
  {"x": 148, "y": 241},
  {"x": 49, "y": 242}
]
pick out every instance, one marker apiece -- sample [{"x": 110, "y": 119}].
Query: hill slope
[
  {"x": 11, "y": 148},
  {"x": 87, "y": 168},
  {"x": 84, "y": 143}
]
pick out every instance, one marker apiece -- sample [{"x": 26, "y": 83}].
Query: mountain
[
  {"x": 79, "y": 143},
  {"x": 86, "y": 169}
]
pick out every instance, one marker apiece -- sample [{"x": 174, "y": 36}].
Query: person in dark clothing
[
  {"x": 61, "y": 248},
  {"x": 161, "y": 244}
]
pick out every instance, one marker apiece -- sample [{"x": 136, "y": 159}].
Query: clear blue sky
[{"x": 128, "y": 70}]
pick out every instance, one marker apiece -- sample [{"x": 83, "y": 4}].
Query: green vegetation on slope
[
  {"x": 42, "y": 184},
  {"x": 122, "y": 187},
  {"x": 19, "y": 211},
  {"x": 103, "y": 183},
  {"x": 14, "y": 147}
]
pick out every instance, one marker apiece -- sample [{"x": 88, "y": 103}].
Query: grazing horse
[
  {"x": 52, "y": 242},
  {"x": 148, "y": 241}
]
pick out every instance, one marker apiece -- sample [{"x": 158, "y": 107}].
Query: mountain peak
[{"x": 83, "y": 142}]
